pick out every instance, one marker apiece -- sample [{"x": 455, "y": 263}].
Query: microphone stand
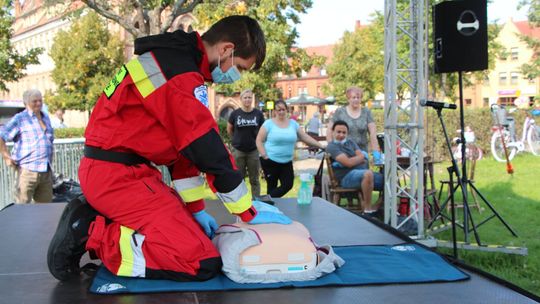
[{"x": 463, "y": 181}]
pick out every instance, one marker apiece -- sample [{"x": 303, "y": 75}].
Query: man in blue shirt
[
  {"x": 351, "y": 167},
  {"x": 32, "y": 153}
]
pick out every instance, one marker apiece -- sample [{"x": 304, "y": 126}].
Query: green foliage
[
  {"x": 480, "y": 121},
  {"x": 69, "y": 133},
  {"x": 86, "y": 57},
  {"x": 358, "y": 60},
  {"x": 222, "y": 125},
  {"x": 12, "y": 64},
  {"x": 275, "y": 18},
  {"x": 531, "y": 70},
  {"x": 139, "y": 18}
]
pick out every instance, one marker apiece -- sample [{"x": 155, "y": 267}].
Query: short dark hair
[
  {"x": 340, "y": 123},
  {"x": 280, "y": 101},
  {"x": 244, "y": 32}
]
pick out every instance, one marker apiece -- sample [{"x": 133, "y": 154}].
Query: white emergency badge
[{"x": 201, "y": 93}]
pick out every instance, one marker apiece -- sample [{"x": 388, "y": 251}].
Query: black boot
[{"x": 69, "y": 241}]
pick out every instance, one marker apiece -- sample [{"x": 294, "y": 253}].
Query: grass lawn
[{"x": 517, "y": 199}]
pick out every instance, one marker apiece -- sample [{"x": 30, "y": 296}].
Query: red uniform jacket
[{"x": 156, "y": 107}]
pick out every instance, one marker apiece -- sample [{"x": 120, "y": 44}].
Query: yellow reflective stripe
[
  {"x": 141, "y": 80},
  {"x": 239, "y": 206},
  {"x": 193, "y": 194},
  {"x": 126, "y": 265}
]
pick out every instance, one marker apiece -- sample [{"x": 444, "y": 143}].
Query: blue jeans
[{"x": 353, "y": 179}]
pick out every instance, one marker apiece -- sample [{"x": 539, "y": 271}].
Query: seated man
[{"x": 351, "y": 167}]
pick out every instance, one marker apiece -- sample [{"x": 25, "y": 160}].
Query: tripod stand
[{"x": 462, "y": 183}]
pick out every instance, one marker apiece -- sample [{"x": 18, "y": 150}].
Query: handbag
[{"x": 317, "y": 180}]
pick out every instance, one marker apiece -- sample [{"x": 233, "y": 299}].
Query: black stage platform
[{"x": 25, "y": 231}]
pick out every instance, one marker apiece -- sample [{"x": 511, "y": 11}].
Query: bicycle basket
[{"x": 499, "y": 115}]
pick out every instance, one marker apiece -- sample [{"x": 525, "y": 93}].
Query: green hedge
[
  {"x": 480, "y": 121},
  {"x": 69, "y": 132},
  {"x": 222, "y": 124}
]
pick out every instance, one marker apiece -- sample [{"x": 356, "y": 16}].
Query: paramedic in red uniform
[{"x": 154, "y": 111}]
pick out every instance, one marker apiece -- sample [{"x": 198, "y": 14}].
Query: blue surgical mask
[
  {"x": 340, "y": 141},
  {"x": 232, "y": 74}
]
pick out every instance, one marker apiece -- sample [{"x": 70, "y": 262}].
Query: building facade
[
  {"x": 505, "y": 82},
  {"x": 309, "y": 83}
]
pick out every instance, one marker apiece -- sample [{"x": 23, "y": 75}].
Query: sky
[{"x": 327, "y": 20}]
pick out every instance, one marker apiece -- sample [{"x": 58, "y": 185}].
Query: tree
[
  {"x": 275, "y": 17},
  {"x": 142, "y": 18},
  {"x": 139, "y": 18},
  {"x": 531, "y": 70},
  {"x": 86, "y": 58},
  {"x": 359, "y": 61},
  {"x": 12, "y": 64}
]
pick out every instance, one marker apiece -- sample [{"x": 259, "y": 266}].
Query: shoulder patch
[
  {"x": 201, "y": 93},
  {"x": 115, "y": 82}
]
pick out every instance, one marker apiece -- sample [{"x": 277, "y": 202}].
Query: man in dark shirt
[
  {"x": 351, "y": 166},
  {"x": 243, "y": 126}
]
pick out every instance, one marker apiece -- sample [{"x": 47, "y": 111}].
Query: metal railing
[{"x": 67, "y": 155}]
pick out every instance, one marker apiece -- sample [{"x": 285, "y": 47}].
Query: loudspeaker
[{"x": 460, "y": 36}]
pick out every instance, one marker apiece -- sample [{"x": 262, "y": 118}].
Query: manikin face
[
  {"x": 340, "y": 132},
  {"x": 355, "y": 98},
  {"x": 34, "y": 104},
  {"x": 247, "y": 100}
]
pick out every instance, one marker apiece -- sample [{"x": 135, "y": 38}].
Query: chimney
[{"x": 357, "y": 25}]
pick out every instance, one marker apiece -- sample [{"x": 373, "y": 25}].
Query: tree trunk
[{"x": 154, "y": 20}]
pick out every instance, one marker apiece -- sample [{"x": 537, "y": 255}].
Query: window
[
  {"x": 322, "y": 71},
  {"x": 514, "y": 53},
  {"x": 304, "y": 73},
  {"x": 506, "y": 101},
  {"x": 514, "y": 77},
  {"x": 280, "y": 74},
  {"x": 468, "y": 101},
  {"x": 318, "y": 91},
  {"x": 502, "y": 78}
]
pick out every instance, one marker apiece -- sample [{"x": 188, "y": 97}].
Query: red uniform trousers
[{"x": 173, "y": 244}]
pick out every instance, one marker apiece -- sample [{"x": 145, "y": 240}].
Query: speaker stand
[{"x": 463, "y": 181}]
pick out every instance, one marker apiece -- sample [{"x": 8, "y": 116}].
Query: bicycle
[
  {"x": 472, "y": 151},
  {"x": 505, "y": 129}
]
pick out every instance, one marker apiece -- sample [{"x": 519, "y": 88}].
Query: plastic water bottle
[{"x": 305, "y": 194}]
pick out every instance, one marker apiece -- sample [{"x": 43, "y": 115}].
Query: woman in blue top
[{"x": 275, "y": 142}]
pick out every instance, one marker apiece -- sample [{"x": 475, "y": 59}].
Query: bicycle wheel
[
  {"x": 474, "y": 152},
  {"x": 533, "y": 138},
  {"x": 497, "y": 148}
]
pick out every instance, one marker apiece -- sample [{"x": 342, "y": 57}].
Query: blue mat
[{"x": 406, "y": 263}]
